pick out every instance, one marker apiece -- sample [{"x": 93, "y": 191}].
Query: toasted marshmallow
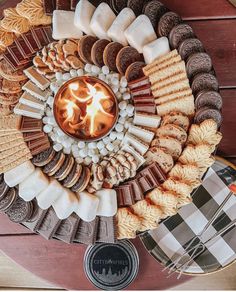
[
  {"x": 107, "y": 203},
  {"x": 140, "y": 33},
  {"x": 66, "y": 204},
  {"x": 101, "y": 21},
  {"x": 63, "y": 25},
  {"x": 18, "y": 174},
  {"x": 48, "y": 196},
  {"x": 117, "y": 30},
  {"x": 87, "y": 206},
  {"x": 83, "y": 15},
  {"x": 156, "y": 49},
  {"x": 33, "y": 185}
]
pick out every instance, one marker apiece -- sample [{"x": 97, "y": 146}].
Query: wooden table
[{"x": 215, "y": 24}]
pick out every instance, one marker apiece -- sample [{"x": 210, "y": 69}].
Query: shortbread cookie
[
  {"x": 7, "y": 72},
  {"x": 173, "y": 131},
  {"x": 6, "y": 37},
  {"x": 180, "y": 187},
  {"x": 171, "y": 145},
  {"x": 178, "y": 119},
  {"x": 14, "y": 22},
  {"x": 163, "y": 159}
]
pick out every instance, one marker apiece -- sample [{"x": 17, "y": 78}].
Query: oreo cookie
[
  {"x": 154, "y": 10},
  {"x": 208, "y": 113},
  {"x": 204, "y": 81},
  {"x": 44, "y": 157},
  {"x": 167, "y": 22},
  {"x": 179, "y": 33},
  {"x": 110, "y": 54},
  {"x": 20, "y": 211},
  {"x": 189, "y": 47},
  {"x": 3, "y": 188},
  {"x": 198, "y": 63},
  {"x": 65, "y": 169},
  {"x": 83, "y": 181},
  {"x": 126, "y": 57},
  {"x": 136, "y": 6},
  {"x": 8, "y": 200},
  {"x": 111, "y": 266},
  {"x": 54, "y": 163},
  {"x": 85, "y": 47},
  {"x": 97, "y": 52},
  {"x": 134, "y": 71},
  {"x": 118, "y": 5},
  {"x": 210, "y": 99}
]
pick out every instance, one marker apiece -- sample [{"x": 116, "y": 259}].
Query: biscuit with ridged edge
[
  {"x": 178, "y": 119},
  {"x": 163, "y": 159}
]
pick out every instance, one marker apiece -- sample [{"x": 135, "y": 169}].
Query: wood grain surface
[{"x": 214, "y": 22}]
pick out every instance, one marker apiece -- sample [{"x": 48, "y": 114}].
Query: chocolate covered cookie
[
  {"x": 204, "y": 81},
  {"x": 179, "y": 33},
  {"x": 154, "y": 10},
  {"x": 134, "y": 71},
  {"x": 73, "y": 177},
  {"x": 85, "y": 47},
  {"x": 55, "y": 164},
  {"x": 44, "y": 157},
  {"x": 110, "y": 54},
  {"x": 198, "y": 63},
  {"x": 208, "y": 113},
  {"x": 82, "y": 181},
  {"x": 210, "y": 99},
  {"x": 167, "y": 22},
  {"x": 20, "y": 211},
  {"x": 65, "y": 169},
  {"x": 126, "y": 57},
  {"x": 97, "y": 52},
  {"x": 190, "y": 46}
]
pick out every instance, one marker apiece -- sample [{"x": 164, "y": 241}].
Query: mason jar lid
[{"x": 111, "y": 266}]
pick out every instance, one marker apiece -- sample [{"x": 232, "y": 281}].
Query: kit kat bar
[
  {"x": 63, "y": 5},
  {"x": 106, "y": 230},
  {"x": 67, "y": 229},
  {"x": 49, "y": 6},
  {"x": 87, "y": 232}
]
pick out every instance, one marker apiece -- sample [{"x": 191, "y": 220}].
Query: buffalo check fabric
[{"x": 174, "y": 234}]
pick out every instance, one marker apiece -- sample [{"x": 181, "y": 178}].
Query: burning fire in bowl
[{"x": 86, "y": 108}]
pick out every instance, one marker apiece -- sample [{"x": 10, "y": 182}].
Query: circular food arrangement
[{"x": 110, "y": 115}]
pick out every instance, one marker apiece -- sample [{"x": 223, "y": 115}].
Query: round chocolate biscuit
[
  {"x": 210, "y": 99},
  {"x": 198, "y": 63},
  {"x": 53, "y": 163},
  {"x": 97, "y": 52},
  {"x": 85, "y": 47},
  {"x": 154, "y": 11},
  {"x": 134, "y": 71},
  {"x": 118, "y": 5},
  {"x": 204, "y": 81},
  {"x": 8, "y": 200},
  {"x": 110, "y": 54},
  {"x": 136, "y": 6},
  {"x": 167, "y": 22},
  {"x": 82, "y": 181},
  {"x": 189, "y": 47},
  {"x": 73, "y": 177},
  {"x": 208, "y": 113},
  {"x": 126, "y": 57},
  {"x": 3, "y": 189},
  {"x": 179, "y": 33},
  {"x": 65, "y": 169},
  {"x": 43, "y": 158},
  {"x": 20, "y": 211}
]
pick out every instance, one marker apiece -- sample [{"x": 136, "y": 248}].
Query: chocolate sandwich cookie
[
  {"x": 198, "y": 63},
  {"x": 110, "y": 54},
  {"x": 63, "y": 5},
  {"x": 210, "y": 99},
  {"x": 85, "y": 47},
  {"x": 8, "y": 200},
  {"x": 136, "y": 6},
  {"x": 134, "y": 71},
  {"x": 55, "y": 164},
  {"x": 208, "y": 113},
  {"x": 3, "y": 188},
  {"x": 73, "y": 177},
  {"x": 96, "y": 3},
  {"x": 118, "y": 5},
  {"x": 167, "y": 22},
  {"x": 20, "y": 211},
  {"x": 204, "y": 81},
  {"x": 44, "y": 157},
  {"x": 97, "y": 52},
  {"x": 49, "y": 6},
  {"x": 126, "y": 57},
  {"x": 65, "y": 169},
  {"x": 83, "y": 181},
  {"x": 179, "y": 33},
  {"x": 154, "y": 10},
  {"x": 189, "y": 47}
]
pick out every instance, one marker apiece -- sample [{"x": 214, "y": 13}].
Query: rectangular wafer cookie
[
  {"x": 169, "y": 81},
  {"x": 172, "y": 96},
  {"x": 174, "y": 87}
]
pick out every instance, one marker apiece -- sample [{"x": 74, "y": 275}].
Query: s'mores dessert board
[{"x": 110, "y": 115}]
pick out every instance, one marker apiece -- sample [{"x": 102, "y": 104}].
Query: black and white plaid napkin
[{"x": 175, "y": 233}]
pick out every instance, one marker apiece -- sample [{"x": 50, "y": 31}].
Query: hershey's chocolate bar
[
  {"x": 32, "y": 136},
  {"x": 73, "y": 4},
  {"x": 49, "y": 6},
  {"x": 23, "y": 47},
  {"x": 63, "y": 5},
  {"x": 31, "y": 42},
  {"x": 87, "y": 232},
  {"x": 39, "y": 36},
  {"x": 125, "y": 195},
  {"x": 67, "y": 229},
  {"x": 31, "y": 125},
  {"x": 106, "y": 230}
]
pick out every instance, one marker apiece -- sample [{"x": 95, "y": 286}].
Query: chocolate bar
[
  {"x": 48, "y": 32},
  {"x": 14, "y": 51},
  {"x": 8, "y": 58},
  {"x": 139, "y": 83},
  {"x": 23, "y": 47},
  {"x": 38, "y": 142},
  {"x": 31, "y": 42},
  {"x": 87, "y": 232},
  {"x": 32, "y": 136},
  {"x": 39, "y": 36},
  {"x": 38, "y": 149},
  {"x": 73, "y": 4},
  {"x": 49, "y": 224},
  {"x": 49, "y": 6},
  {"x": 67, "y": 229},
  {"x": 37, "y": 78},
  {"x": 106, "y": 230},
  {"x": 125, "y": 196},
  {"x": 31, "y": 125},
  {"x": 145, "y": 184},
  {"x": 63, "y": 5},
  {"x": 137, "y": 190}
]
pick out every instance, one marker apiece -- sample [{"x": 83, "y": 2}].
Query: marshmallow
[
  {"x": 66, "y": 204},
  {"x": 33, "y": 185},
  {"x": 63, "y": 25},
  {"x": 101, "y": 20},
  {"x": 83, "y": 15},
  {"x": 18, "y": 174},
  {"x": 107, "y": 203},
  {"x": 47, "y": 197},
  {"x": 87, "y": 206},
  {"x": 120, "y": 24},
  {"x": 140, "y": 33},
  {"x": 156, "y": 49}
]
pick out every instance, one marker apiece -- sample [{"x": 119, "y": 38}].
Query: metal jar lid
[{"x": 111, "y": 266}]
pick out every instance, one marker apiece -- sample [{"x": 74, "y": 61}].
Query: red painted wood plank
[
  {"x": 218, "y": 37},
  {"x": 8, "y": 227},
  {"x": 62, "y": 264}
]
